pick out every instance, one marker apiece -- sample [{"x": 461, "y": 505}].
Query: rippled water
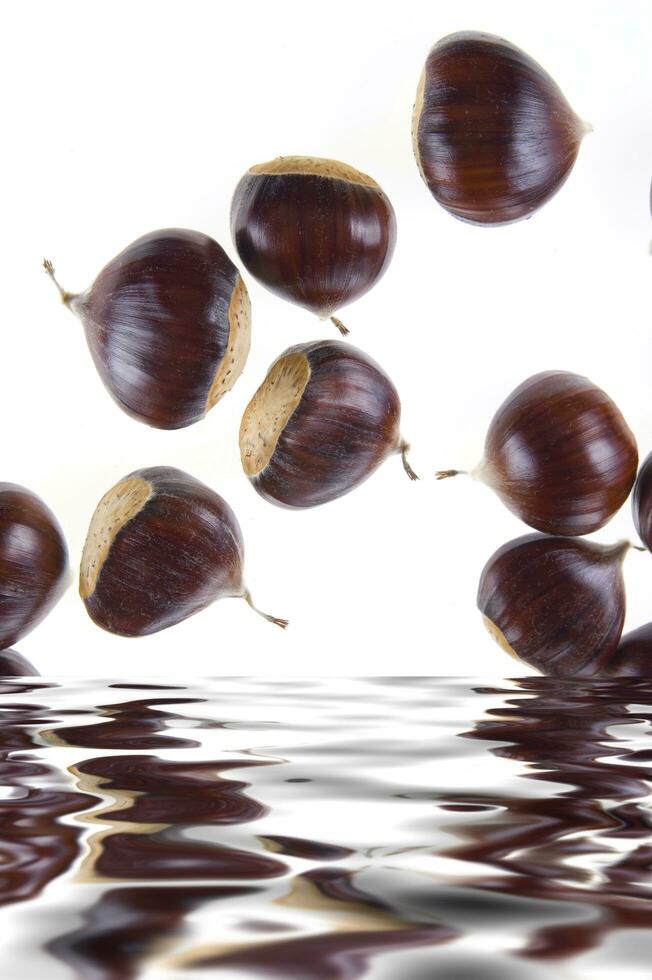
[{"x": 388, "y": 828}]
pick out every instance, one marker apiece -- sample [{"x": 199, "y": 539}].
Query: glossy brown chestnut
[
  {"x": 317, "y": 232},
  {"x": 559, "y": 454},
  {"x": 13, "y": 664},
  {"x": 324, "y": 418},
  {"x": 633, "y": 656},
  {"x": 160, "y": 547},
  {"x": 33, "y": 562},
  {"x": 167, "y": 323},
  {"x": 493, "y": 136},
  {"x": 642, "y": 502},
  {"x": 557, "y": 604}
]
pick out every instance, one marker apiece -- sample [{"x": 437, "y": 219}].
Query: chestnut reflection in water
[
  {"x": 36, "y": 844},
  {"x": 154, "y": 800},
  {"x": 567, "y": 733}
]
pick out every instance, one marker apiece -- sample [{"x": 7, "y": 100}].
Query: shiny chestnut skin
[
  {"x": 167, "y": 323},
  {"x": 324, "y": 418},
  {"x": 33, "y": 562},
  {"x": 13, "y": 664},
  {"x": 493, "y": 136},
  {"x": 642, "y": 502},
  {"x": 316, "y": 232},
  {"x": 633, "y": 656},
  {"x": 161, "y": 546},
  {"x": 557, "y": 604},
  {"x": 559, "y": 454}
]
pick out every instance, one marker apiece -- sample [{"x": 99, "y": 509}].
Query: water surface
[{"x": 325, "y": 829}]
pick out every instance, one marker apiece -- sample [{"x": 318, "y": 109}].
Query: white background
[{"x": 126, "y": 117}]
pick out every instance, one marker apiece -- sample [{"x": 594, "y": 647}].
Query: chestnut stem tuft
[
  {"x": 283, "y": 623},
  {"x": 63, "y": 293},
  {"x": 445, "y": 474},
  {"x": 340, "y": 326},
  {"x": 403, "y": 448}
]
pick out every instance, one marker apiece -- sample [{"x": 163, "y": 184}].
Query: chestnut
[
  {"x": 33, "y": 562},
  {"x": 559, "y": 454},
  {"x": 633, "y": 656},
  {"x": 324, "y": 418},
  {"x": 642, "y": 502},
  {"x": 160, "y": 547},
  {"x": 317, "y": 232},
  {"x": 13, "y": 664},
  {"x": 556, "y": 603},
  {"x": 167, "y": 323},
  {"x": 493, "y": 136}
]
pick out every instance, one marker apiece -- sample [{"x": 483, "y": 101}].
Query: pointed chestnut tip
[
  {"x": 276, "y": 620},
  {"x": 340, "y": 326},
  {"x": 403, "y": 449},
  {"x": 65, "y": 296}
]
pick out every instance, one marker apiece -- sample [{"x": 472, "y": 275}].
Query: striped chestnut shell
[
  {"x": 557, "y": 604},
  {"x": 493, "y": 136},
  {"x": 33, "y": 562},
  {"x": 161, "y": 546},
  {"x": 314, "y": 231},
  {"x": 168, "y": 325},
  {"x": 324, "y": 418},
  {"x": 559, "y": 454}
]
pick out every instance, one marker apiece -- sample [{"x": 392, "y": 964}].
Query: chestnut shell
[
  {"x": 556, "y": 603},
  {"x": 633, "y": 656},
  {"x": 345, "y": 424},
  {"x": 493, "y": 135},
  {"x": 13, "y": 664},
  {"x": 160, "y": 321},
  {"x": 319, "y": 239},
  {"x": 180, "y": 551},
  {"x": 559, "y": 454},
  {"x": 33, "y": 562},
  {"x": 642, "y": 502}
]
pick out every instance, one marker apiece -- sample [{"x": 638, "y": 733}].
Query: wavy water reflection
[{"x": 335, "y": 829}]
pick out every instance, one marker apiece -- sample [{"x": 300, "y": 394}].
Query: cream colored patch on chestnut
[
  {"x": 270, "y": 409},
  {"x": 499, "y": 637},
  {"x": 416, "y": 116},
  {"x": 317, "y": 166},
  {"x": 119, "y": 505},
  {"x": 231, "y": 366}
]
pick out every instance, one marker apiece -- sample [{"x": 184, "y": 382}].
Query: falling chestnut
[
  {"x": 317, "y": 232},
  {"x": 493, "y": 136},
  {"x": 557, "y": 604},
  {"x": 33, "y": 562},
  {"x": 167, "y": 323},
  {"x": 160, "y": 547},
  {"x": 324, "y": 418},
  {"x": 642, "y": 502},
  {"x": 633, "y": 656},
  {"x": 559, "y": 454}
]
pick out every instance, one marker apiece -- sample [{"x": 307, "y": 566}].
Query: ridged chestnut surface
[
  {"x": 33, "y": 562},
  {"x": 324, "y": 418},
  {"x": 167, "y": 323},
  {"x": 160, "y": 547},
  {"x": 493, "y": 135},
  {"x": 559, "y": 454},
  {"x": 633, "y": 656},
  {"x": 642, "y": 502},
  {"x": 558, "y": 604},
  {"x": 317, "y": 232}
]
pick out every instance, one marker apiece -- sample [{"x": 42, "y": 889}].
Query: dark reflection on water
[{"x": 337, "y": 829}]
